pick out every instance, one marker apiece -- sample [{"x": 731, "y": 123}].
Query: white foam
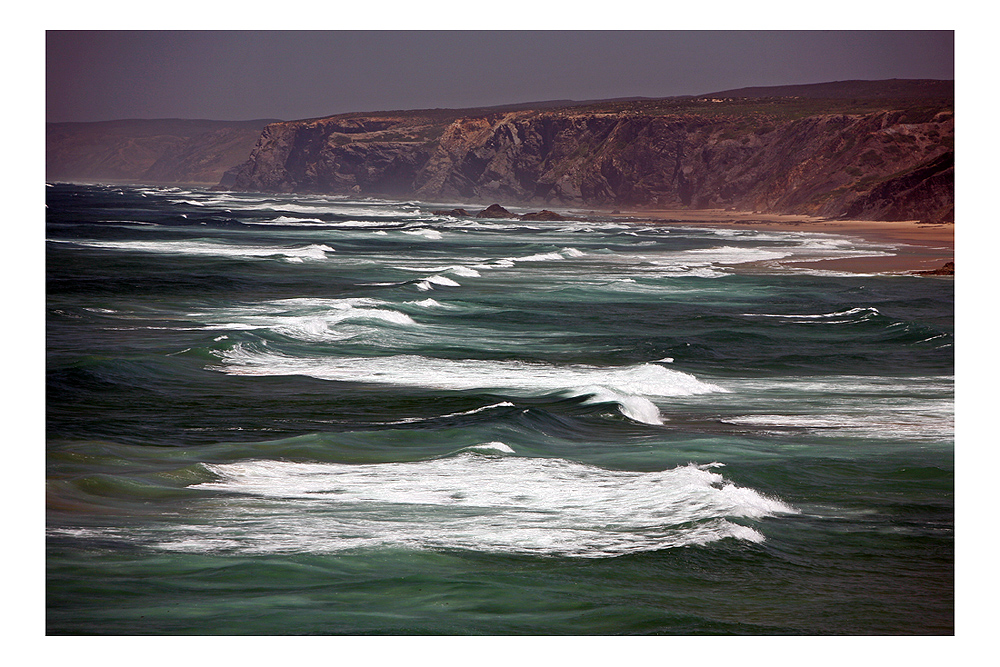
[
  {"x": 892, "y": 422},
  {"x": 505, "y": 263},
  {"x": 839, "y": 314},
  {"x": 429, "y": 282},
  {"x": 731, "y": 255},
  {"x": 464, "y": 271},
  {"x": 631, "y": 387},
  {"x": 288, "y": 221},
  {"x": 491, "y": 448},
  {"x": 636, "y": 408},
  {"x": 340, "y": 208},
  {"x": 454, "y": 269},
  {"x": 305, "y": 318},
  {"x": 494, "y": 503},
  {"x": 782, "y": 249},
  {"x": 541, "y": 257},
  {"x": 428, "y": 303},
  {"x": 322, "y": 328},
  {"x": 800, "y": 421},
  {"x": 432, "y": 234},
  {"x": 208, "y": 248}
]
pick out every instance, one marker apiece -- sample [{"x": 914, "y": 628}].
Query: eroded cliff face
[{"x": 887, "y": 165}]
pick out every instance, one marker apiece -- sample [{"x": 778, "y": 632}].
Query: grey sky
[{"x": 291, "y": 74}]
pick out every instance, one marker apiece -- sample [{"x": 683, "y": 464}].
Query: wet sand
[{"x": 917, "y": 246}]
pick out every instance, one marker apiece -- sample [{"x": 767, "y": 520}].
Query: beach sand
[{"x": 918, "y": 247}]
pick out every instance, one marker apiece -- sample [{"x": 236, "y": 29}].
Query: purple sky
[{"x": 290, "y": 74}]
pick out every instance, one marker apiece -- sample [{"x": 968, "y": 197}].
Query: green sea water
[{"x": 288, "y": 415}]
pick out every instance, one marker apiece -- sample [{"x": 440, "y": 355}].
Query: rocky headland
[
  {"x": 849, "y": 150},
  {"x": 858, "y": 150}
]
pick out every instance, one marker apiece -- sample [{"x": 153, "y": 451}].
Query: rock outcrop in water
[
  {"x": 495, "y": 211},
  {"x": 947, "y": 270},
  {"x": 875, "y": 158}
]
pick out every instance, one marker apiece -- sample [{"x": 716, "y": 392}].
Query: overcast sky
[{"x": 290, "y": 74}]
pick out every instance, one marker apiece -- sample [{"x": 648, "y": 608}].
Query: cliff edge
[{"x": 787, "y": 150}]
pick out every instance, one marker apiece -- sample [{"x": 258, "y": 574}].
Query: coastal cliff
[
  {"x": 882, "y": 157},
  {"x": 160, "y": 151}
]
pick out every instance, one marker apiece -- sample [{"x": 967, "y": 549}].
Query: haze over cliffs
[
  {"x": 163, "y": 151},
  {"x": 858, "y": 149}
]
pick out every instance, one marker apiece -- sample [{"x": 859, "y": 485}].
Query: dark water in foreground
[{"x": 308, "y": 415}]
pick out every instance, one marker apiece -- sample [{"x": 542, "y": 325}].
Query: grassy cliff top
[{"x": 920, "y": 97}]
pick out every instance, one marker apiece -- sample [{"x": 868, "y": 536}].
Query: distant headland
[{"x": 871, "y": 150}]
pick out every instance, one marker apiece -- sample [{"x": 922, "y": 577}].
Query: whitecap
[
  {"x": 731, "y": 255},
  {"x": 305, "y": 318},
  {"x": 866, "y": 311},
  {"x": 287, "y": 220},
  {"x": 428, "y": 303},
  {"x": 489, "y": 448},
  {"x": 432, "y": 234},
  {"x": 631, "y": 387},
  {"x": 541, "y": 257},
  {"x": 429, "y": 282},
  {"x": 454, "y": 269},
  {"x": 208, "y": 248},
  {"x": 897, "y": 422},
  {"x": 498, "y": 504}
]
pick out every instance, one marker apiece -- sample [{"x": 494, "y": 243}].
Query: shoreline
[{"x": 917, "y": 246}]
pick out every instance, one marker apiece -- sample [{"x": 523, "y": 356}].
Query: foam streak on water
[
  {"x": 208, "y": 248},
  {"x": 281, "y": 413},
  {"x": 486, "y": 501},
  {"x": 630, "y": 386}
]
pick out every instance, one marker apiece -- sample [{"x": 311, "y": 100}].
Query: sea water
[{"x": 287, "y": 414}]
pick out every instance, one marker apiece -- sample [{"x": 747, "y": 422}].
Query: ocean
[{"x": 274, "y": 414}]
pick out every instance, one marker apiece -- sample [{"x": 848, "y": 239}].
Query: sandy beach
[{"x": 918, "y": 247}]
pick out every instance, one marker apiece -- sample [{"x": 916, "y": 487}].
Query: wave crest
[
  {"x": 631, "y": 387},
  {"x": 500, "y": 504}
]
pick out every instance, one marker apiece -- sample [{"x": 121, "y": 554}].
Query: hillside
[
  {"x": 166, "y": 151},
  {"x": 885, "y": 152},
  {"x": 853, "y": 149}
]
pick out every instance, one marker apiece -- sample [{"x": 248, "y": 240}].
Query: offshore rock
[
  {"x": 947, "y": 270},
  {"x": 495, "y": 211},
  {"x": 543, "y": 216}
]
